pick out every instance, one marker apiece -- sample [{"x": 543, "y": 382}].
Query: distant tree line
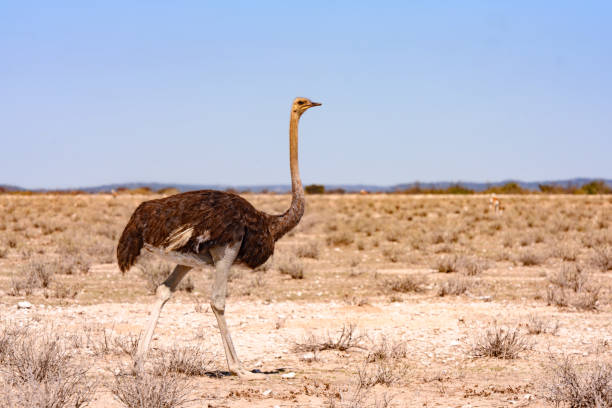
[{"x": 593, "y": 187}]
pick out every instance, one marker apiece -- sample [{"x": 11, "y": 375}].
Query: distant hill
[{"x": 283, "y": 188}]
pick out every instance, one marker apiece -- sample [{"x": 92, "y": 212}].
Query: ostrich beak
[{"x": 314, "y": 104}]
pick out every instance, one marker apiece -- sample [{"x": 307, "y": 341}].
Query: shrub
[
  {"x": 346, "y": 338},
  {"x": 293, "y": 268},
  {"x": 530, "y": 258},
  {"x": 500, "y": 343},
  {"x": 446, "y": 264},
  {"x": 146, "y": 390},
  {"x": 579, "y": 387},
  {"x": 455, "y": 286},
  {"x": 315, "y": 189},
  {"x": 602, "y": 258},
  {"x": 404, "y": 284},
  {"x": 190, "y": 360},
  {"x": 309, "y": 250}
]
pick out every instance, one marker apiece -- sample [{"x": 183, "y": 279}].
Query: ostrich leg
[
  {"x": 223, "y": 258},
  {"x": 163, "y": 293}
]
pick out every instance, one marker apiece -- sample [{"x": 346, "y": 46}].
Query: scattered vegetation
[
  {"x": 500, "y": 343},
  {"x": 579, "y": 387},
  {"x": 141, "y": 389},
  {"x": 345, "y": 339}
]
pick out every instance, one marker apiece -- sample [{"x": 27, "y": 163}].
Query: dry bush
[
  {"x": 500, "y": 343},
  {"x": 570, "y": 276},
  {"x": 404, "y": 284},
  {"x": 602, "y": 258},
  {"x": 67, "y": 390},
  {"x": 531, "y": 258},
  {"x": 346, "y": 338},
  {"x": 386, "y": 349},
  {"x": 393, "y": 254},
  {"x": 574, "y": 387},
  {"x": 455, "y": 286},
  {"x": 146, "y": 390},
  {"x": 446, "y": 264},
  {"x": 40, "y": 373},
  {"x": 34, "y": 356},
  {"x": 572, "y": 286},
  {"x": 538, "y": 325},
  {"x": 472, "y": 266},
  {"x": 291, "y": 267},
  {"x": 309, "y": 250},
  {"x": 34, "y": 275},
  {"x": 384, "y": 372},
  {"x": 189, "y": 360},
  {"x": 340, "y": 238},
  {"x": 566, "y": 252}
]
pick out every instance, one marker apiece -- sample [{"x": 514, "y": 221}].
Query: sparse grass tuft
[
  {"x": 291, "y": 267},
  {"x": 538, "y": 325},
  {"x": 576, "y": 387},
  {"x": 190, "y": 360},
  {"x": 530, "y": 258},
  {"x": 309, "y": 250},
  {"x": 500, "y": 343},
  {"x": 446, "y": 264},
  {"x": 602, "y": 258},
  {"x": 146, "y": 390},
  {"x": 404, "y": 284},
  {"x": 455, "y": 286},
  {"x": 346, "y": 339}
]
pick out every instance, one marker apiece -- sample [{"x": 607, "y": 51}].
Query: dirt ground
[{"x": 422, "y": 278}]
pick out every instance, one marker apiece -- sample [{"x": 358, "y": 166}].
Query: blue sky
[{"x": 199, "y": 92}]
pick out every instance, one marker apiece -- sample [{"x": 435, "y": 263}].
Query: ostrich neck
[{"x": 289, "y": 219}]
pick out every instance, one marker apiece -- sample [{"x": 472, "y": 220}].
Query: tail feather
[{"x": 129, "y": 246}]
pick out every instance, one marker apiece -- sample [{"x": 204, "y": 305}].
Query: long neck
[{"x": 283, "y": 223}]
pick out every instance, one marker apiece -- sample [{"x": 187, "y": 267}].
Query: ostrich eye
[{"x": 300, "y": 102}]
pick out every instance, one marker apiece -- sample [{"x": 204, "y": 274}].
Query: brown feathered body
[{"x": 194, "y": 222}]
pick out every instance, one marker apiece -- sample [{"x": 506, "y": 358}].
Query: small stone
[
  {"x": 266, "y": 393},
  {"x": 288, "y": 375},
  {"x": 455, "y": 343},
  {"x": 528, "y": 397},
  {"x": 24, "y": 305},
  {"x": 308, "y": 356}
]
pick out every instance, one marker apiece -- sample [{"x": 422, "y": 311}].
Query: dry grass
[
  {"x": 345, "y": 339},
  {"x": 538, "y": 325},
  {"x": 189, "y": 360},
  {"x": 500, "y": 343},
  {"x": 291, "y": 267},
  {"x": 40, "y": 371},
  {"x": 147, "y": 390},
  {"x": 455, "y": 286},
  {"x": 573, "y": 386},
  {"x": 404, "y": 284},
  {"x": 573, "y": 286}
]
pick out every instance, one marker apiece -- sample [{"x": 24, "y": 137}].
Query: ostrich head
[{"x": 300, "y": 105}]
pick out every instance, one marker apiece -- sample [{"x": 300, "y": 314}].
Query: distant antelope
[{"x": 495, "y": 204}]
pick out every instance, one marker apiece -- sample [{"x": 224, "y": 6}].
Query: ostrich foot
[{"x": 248, "y": 375}]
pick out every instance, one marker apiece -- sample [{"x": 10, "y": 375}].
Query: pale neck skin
[{"x": 281, "y": 224}]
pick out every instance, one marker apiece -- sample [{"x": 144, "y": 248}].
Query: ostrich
[{"x": 209, "y": 227}]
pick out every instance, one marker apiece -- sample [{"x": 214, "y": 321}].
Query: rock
[
  {"x": 266, "y": 393},
  {"x": 308, "y": 357},
  {"x": 288, "y": 375},
  {"x": 24, "y": 305}
]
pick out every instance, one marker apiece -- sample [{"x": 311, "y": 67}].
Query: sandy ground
[
  {"x": 349, "y": 248},
  {"x": 438, "y": 333}
]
